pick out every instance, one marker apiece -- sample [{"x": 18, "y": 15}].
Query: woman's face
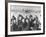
[
  {"x": 30, "y": 19},
  {"x": 14, "y": 21},
  {"x": 27, "y": 20},
  {"x": 19, "y": 18},
  {"x": 23, "y": 20},
  {"x": 34, "y": 22}
]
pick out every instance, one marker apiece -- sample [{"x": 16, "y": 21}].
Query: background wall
[{"x": 2, "y": 19}]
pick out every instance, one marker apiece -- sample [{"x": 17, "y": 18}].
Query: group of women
[{"x": 25, "y": 24}]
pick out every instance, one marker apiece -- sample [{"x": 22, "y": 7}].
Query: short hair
[
  {"x": 21, "y": 16},
  {"x": 14, "y": 18},
  {"x": 30, "y": 16}
]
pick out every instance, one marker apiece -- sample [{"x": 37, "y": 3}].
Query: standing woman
[
  {"x": 20, "y": 24},
  {"x": 26, "y": 24},
  {"x": 31, "y": 22},
  {"x": 14, "y": 27}
]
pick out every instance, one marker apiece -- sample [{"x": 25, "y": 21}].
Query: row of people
[{"x": 25, "y": 23}]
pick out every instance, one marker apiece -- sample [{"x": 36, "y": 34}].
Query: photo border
[{"x": 6, "y": 18}]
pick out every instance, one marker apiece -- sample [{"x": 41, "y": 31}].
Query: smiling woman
[{"x": 25, "y": 18}]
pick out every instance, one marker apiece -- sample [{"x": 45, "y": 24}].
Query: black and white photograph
[{"x": 25, "y": 18}]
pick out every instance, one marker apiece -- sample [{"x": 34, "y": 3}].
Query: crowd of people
[{"x": 25, "y": 24}]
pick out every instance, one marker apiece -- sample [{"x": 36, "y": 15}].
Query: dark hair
[
  {"x": 14, "y": 18},
  {"x": 30, "y": 16},
  {"x": 21, "y": 16}
]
